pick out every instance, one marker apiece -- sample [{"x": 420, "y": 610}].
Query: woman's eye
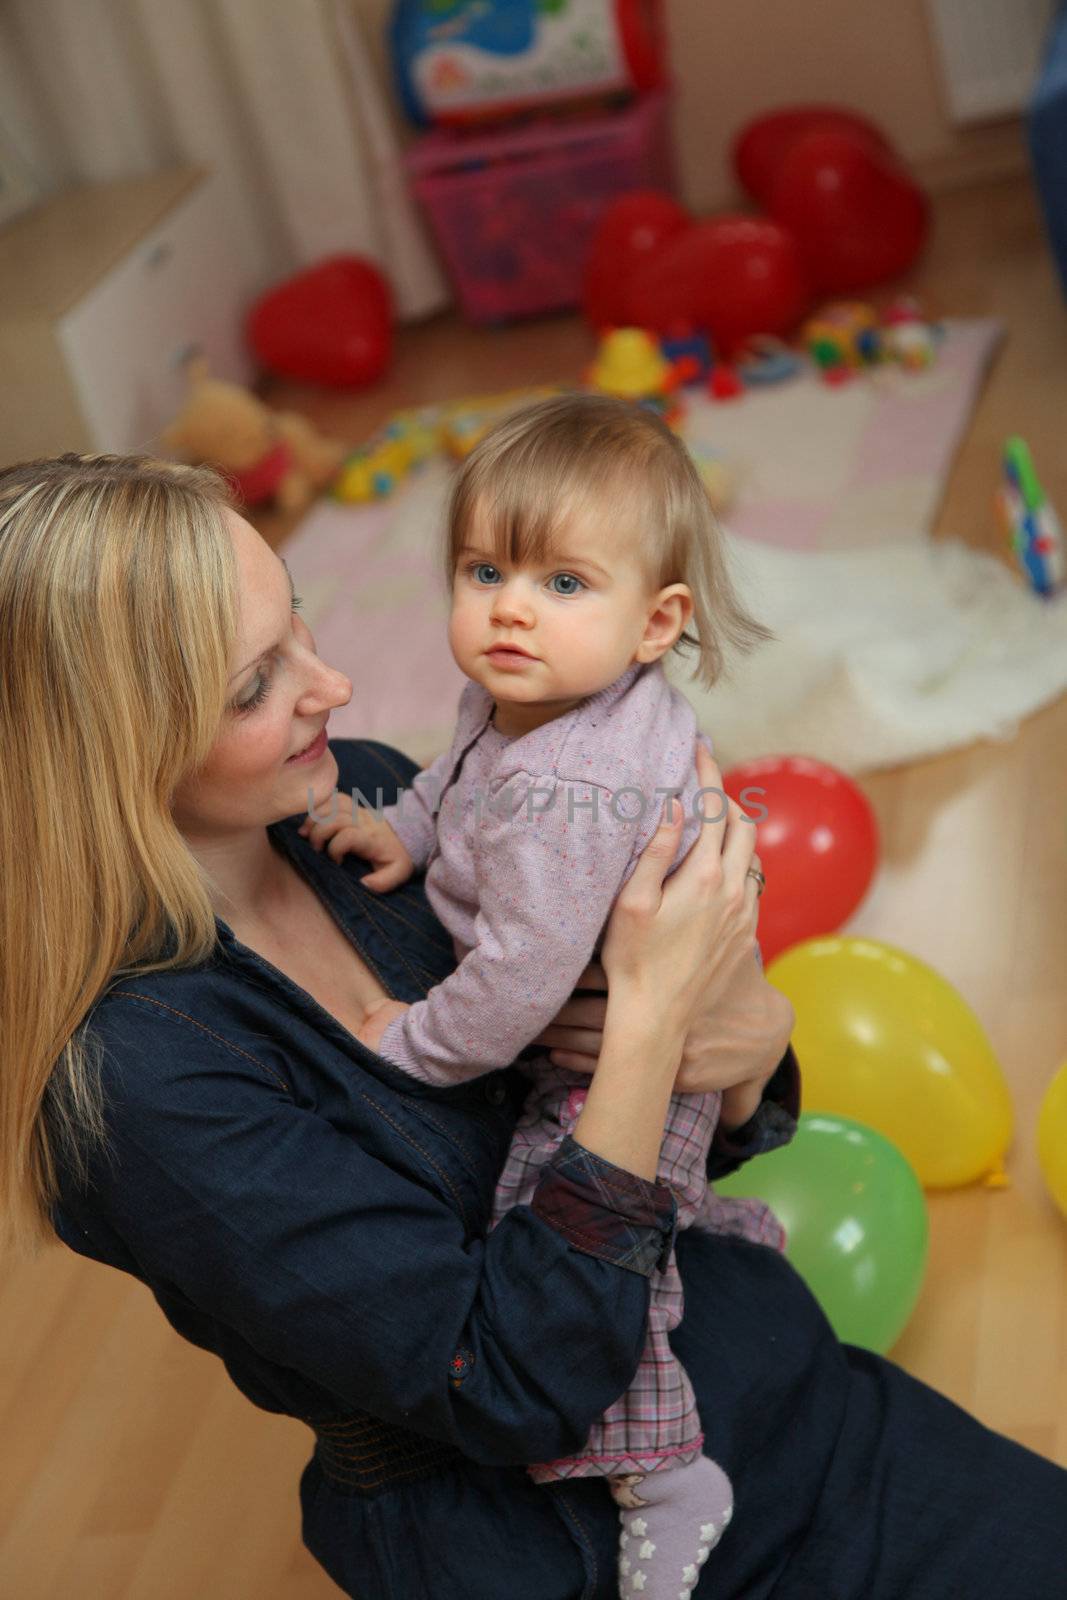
[
  {"x": 480, "y": 568},
  {"x": 257, "y": 697},
  {"x": 262, "y": 683},
  {"x": 568, "y": 578}
]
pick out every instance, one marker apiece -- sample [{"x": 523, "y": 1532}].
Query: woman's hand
[
  {"x": 734, "y": 1046},
  {"x": 739, "y": 1031},
  {"x": 677, "y": 946}
]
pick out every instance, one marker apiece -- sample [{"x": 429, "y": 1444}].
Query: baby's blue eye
[
  {"x": 482, "y": 567},
  {"x": 568, "y": 577}
]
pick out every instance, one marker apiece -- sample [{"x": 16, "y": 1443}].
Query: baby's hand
[{"x": 356, "y": 831}]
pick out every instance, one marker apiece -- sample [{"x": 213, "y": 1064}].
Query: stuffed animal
[{"x": 267, "y": 455}]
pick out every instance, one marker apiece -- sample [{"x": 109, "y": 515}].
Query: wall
[{"x": 734, "y": 58}]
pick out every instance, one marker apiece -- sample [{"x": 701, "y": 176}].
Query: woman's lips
[{"x": 314, "y": 750}]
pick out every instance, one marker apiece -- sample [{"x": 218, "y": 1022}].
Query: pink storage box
[{"x": 513, "y": 211}]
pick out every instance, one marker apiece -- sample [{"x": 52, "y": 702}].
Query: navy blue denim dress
[{"x": 316, "y": 1218}]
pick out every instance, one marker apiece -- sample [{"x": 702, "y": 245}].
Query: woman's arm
[
  {"x": 666, "y": 947},
  {"x": 340, "y": 1256},
  {"x": 772, "y": 1124}
]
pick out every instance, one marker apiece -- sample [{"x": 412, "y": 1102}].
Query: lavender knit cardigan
[{"x": 526, "y": 843}]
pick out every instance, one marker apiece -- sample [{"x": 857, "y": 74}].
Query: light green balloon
[{"x": 856, "y": 1223}]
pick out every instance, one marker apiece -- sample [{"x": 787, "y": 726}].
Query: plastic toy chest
[{"x": 513, "y": 211}]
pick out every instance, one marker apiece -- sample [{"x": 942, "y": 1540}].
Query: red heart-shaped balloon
[
  {"x": 331, "y": 324},
  {"x": 628, "y": 236},
  {"x": 763, "y": 144},
  {"x": 733, "y": 276},
  {"x": 857, "y": 215}
]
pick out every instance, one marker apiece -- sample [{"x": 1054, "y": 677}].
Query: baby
[{"x": 581, "y": 546}]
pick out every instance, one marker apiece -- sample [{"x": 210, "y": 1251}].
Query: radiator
[{"x": 990, "y": 51}]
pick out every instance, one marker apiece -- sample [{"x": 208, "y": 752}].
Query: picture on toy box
[{"x": 460, "y": 61}]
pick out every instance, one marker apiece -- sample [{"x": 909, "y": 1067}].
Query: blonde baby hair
[
  {"x": 542, "y": 464},
  {"x": 118, "y": 607}
]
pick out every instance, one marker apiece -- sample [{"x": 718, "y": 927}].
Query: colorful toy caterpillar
[
  {"x": 1031, "y": 525},
  {"x": 376, "y": 469},
  {"x": 848, "y": 335}
]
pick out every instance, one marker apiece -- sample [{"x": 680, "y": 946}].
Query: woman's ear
[{"x": 668, "y": 616}]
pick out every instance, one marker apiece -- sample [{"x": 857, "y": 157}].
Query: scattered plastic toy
[
  {"x": 1030, "y": 523},
  {"x": 689, "y": 351},
  {"x": 844, "y": 334},
  {"x": 461, "y": 423},
  {"x": 907, "y": 336},
  {"x": 377, "y": 468},
  {"x": 409, "y": 437},
  {"x": 724, "y": 383},
  {"x": 629, "y": 363},
  {"x": 848, "y": 336},
  {"x": 766, "y": 360}
]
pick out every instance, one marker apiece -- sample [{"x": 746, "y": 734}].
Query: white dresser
[{"x": 104, "y": 290}]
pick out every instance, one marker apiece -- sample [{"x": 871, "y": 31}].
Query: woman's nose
[{"x": 328, "y": 687}]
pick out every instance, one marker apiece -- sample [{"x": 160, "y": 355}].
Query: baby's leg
[{"x": 679, "y": 1516}]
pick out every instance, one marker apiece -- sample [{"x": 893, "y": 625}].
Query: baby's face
[{"x": 578, "y": 617}]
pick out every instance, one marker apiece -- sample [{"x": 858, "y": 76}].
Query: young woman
[{"x": 185, "y": 1095}]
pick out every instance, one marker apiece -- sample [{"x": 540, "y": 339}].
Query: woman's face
[{"x": 271, "y": 748}]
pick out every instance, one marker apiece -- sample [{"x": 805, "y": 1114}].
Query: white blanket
[{"x": 883, "y": 654}]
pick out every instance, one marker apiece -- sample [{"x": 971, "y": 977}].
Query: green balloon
[{"x": 856, "y": 1223}]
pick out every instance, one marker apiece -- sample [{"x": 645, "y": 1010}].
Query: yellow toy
[
  {"x": 410, "y": 436},
  {"x": 630, "y": 364},
  {"x": 419, "y": 427},
  {"x": 267, "y": 455},
  {"x": 462, "y": 423},
  {"x": 376, "y": 469}
]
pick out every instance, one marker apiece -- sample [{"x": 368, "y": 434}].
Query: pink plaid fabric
[{"x": 656, "y": 1420}]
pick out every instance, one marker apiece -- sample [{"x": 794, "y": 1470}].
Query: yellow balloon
[
  {"x": 884, "y": 1039},
  {"x": 1052, "y": 1138}
]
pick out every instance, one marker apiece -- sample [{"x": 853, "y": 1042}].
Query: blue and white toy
[{"x": 1030, "y": 523}]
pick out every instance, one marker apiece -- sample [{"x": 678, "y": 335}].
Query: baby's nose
[{"x": 510, "y": 605}]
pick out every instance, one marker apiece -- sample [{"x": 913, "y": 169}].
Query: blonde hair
[
  {"x": 540, "y": 465},
  {"x": 118, "y": 604}
]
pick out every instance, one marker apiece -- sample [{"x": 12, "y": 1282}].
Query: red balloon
[
  {"x": 763, "y": 144},
  {"x": 733, "y": 276},
  {"x": 857, "y": 215},
  {"x": 629, "y": 234},
  {"x": 818, "y": 845},
  {"x": 332, "y": 324}
]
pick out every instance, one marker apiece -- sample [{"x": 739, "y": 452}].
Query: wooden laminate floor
[{"x": 130, "y": 1469}]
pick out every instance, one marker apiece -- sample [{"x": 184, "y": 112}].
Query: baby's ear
[{"x": 668, "y": 617}]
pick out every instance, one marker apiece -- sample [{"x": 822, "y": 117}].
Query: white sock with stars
[{"x": 667, "y": 1539}]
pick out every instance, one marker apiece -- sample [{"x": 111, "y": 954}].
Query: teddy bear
[{"x": 267, "y": 455}]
